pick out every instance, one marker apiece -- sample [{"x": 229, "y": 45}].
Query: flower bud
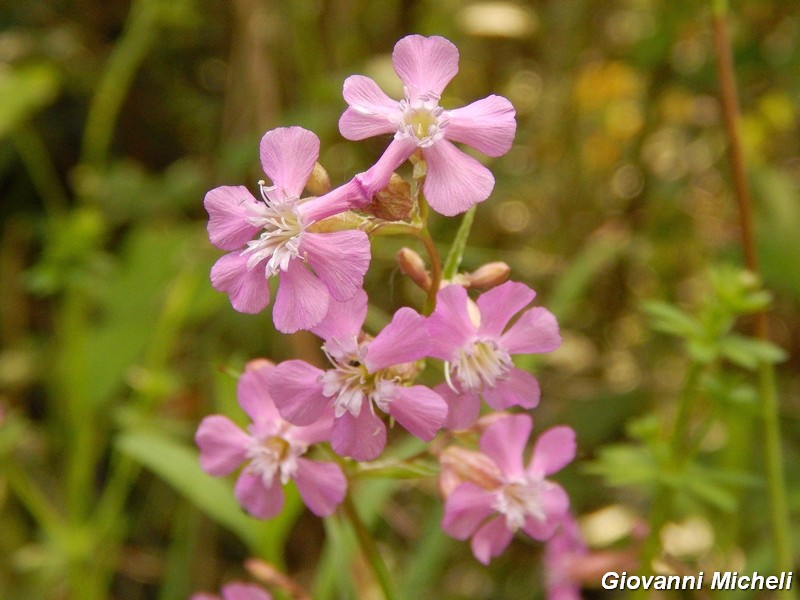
[
  {"x": 412, "y": 265},
  {"x": 488, "y": 276},
  {"x": 258, "y": 363},
  {"x": 394, "y": 202},
  {"x": 319, "y": 183}
]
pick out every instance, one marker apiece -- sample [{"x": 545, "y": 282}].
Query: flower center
[
  {"x": 350, "y": 383},
  {"x": 480, "y": 365},
  {"x": 273, "y": 456},
  {"x": 519, "y": 500},
  {"x": 280, "y": 239},
  {"x": 423, "y": 120}
]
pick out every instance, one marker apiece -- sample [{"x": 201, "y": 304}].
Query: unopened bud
[
  {"x": 258, "y": 363},
  {"x": 488, "y": 276},
  {"x": 319, "y": 183},
  {"x": 460, "y": 466},
  {"x": 412, "y": 265},
  {"x": 394, "y": 202}
]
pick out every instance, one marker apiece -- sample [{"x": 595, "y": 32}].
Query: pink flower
[
  {"x": 521, "y": 498},
  {"x": 477, "y": 348},
  {"x": 275, "y": 236},
  {"x": 272, "y": 450},
  {"x": 366, "y": 374},
  {"x": 562, "y": 552},
  {"x": 236, "y": 591},
  {"x": 454, "y": 181}
]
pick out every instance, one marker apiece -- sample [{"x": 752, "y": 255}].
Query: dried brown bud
[
  {"x": 412, "y": 265},
  {"x": 319, "y": 183},
  {"x": 460, "y": 466},
  {"x": 394, "y": 202},
  {"x": 488, "y": 276}
]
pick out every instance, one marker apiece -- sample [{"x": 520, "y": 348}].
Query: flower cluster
[{"x": 319, "y": 250}]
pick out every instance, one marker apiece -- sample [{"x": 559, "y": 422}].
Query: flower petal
[
  {"x": 504, "y": 442},
  {"x": 404, "y": 339},
  {"x": 425, "y": 64},
  {"x": 555, "y": 504},
  {"x": 260, "y": 501},
  {"x": 465, "y": 509},
  {"x": 318, "y": 431},
  {"x": 253, "y": 394},
  {"x": 227, "y": 207},
  {"x": 491, "y": 540},
  {"x": 338, "y": 200},
  {"x": 554, "y": 449},
  {"x": 297, "y": 392},
  {"x": 247, "y": 288},
  {"x": 244, "y": 591},
  {"x": 535, "y": 332},
  {"x": 419, "y": 409},
  {"x": 223, "y": 446},
  {"x": 343, "y": 319},
  {"x": 449, "y": 326},
  {"x": 288, "y": 155},
  {"x": 361, "y": 438},
  {"x": 322, "y": 485},
  {"x": 462, "y": 409},
  {"x": 301, "y": 301},
  {"x": 488, "y": 125},
  {"x": 376, "y": 178},
  {"x": 519, "y": 388},
  {"x": 454, "y": 181},
  {"x": 499, "y": 304},
  {"x": 370, "y": 111},
  {"x": 340, "y": 259}
]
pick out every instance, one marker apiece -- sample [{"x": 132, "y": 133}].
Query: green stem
[
  {"x": 453, "y": 260},
  {"x": 774, "y": 463},
  {"x": 773, "y": 455},
  {"x": 129, "y": 52},
  {"x": 37, "y": 160},
  {"x": 370, "y": 550},
  {"x": 662, "y": 502},
  {"x": 32, "y": 498}
]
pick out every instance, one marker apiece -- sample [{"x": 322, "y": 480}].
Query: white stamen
[
  {"x": 479, "y": 365},
  {"x": 274, "y": 456},
  {"x": 422, "y": 120},
  {"x": 519, "y": 500},
  {"x": 350, "y": 383},
  {"x": 282, "y": 225}
]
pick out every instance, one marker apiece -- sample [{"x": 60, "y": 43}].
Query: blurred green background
[{"x": 117, "y": 117}]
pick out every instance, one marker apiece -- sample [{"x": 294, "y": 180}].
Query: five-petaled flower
[
  {"x": 366, "y": 374},
  {"x": 454, "y": 181},
  {"x": 477, "y": 348},
  {"x": 275, "y": 236},
  {"x": 272, "y": 451},
  {"x": 520, "y": 497}
]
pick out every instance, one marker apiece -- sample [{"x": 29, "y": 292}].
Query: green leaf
[
  {"x": 178, "y": 465},
  {"x": 23, "y": 91},
  {"x": 749, "y": 352},
  {"x": 670, "y": 319},
  {"x": 623, "y": 465}
]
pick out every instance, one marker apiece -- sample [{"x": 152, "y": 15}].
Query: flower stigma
[{"x": 422, "y": 120}]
